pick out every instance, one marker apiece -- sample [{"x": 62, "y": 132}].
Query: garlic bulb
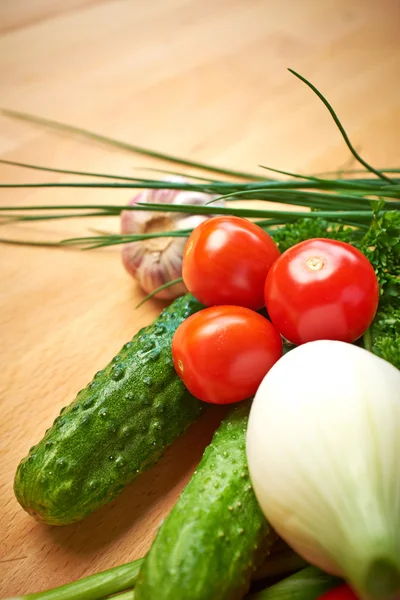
[
  {"x": 156, "y": 261},
  {"x": 323, "y": 447}
]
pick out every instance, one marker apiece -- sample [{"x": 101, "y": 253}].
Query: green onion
[
  {"x": 93, "y": 587},
  {"x": 308, "y": 584}
]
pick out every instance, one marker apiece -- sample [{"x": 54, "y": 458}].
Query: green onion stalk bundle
[{"x": 349, "y": 202}]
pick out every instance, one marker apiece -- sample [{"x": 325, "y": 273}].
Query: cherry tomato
[
  {"x": 342, "y": 592},
  {"x": 222, "y": 353},
  {"x": 226, "y": 261},
  {"x": 321, "y": 289}
]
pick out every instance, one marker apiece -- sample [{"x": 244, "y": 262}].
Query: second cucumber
[{"x": 216, "y": 535}]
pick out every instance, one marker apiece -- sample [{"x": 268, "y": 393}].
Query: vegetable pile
[{"x": 300, "y": 311}]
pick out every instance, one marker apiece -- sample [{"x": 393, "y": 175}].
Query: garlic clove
[
  {"x": 156, "y": 270},
  {"x": 132, "y": 257},
  {"x": 156, "y": 261}
]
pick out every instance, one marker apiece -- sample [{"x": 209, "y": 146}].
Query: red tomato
[
  {"x": 321, "y": 289},
  {"x": 222, "y": 353},
  {"x": 226, "y": 261},
  {"x": 342, "y": 592}
]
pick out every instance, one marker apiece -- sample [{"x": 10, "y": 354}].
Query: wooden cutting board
[{"x": 204, "y": 79}]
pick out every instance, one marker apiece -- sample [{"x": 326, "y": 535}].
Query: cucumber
[
  {"x": 216, "y": 535},
  {"x": 116, "y": 428}
]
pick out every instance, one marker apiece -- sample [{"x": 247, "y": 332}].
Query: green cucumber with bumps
[
  {"x": 117, "y": 427},
  {"x": 216, "y": 536}
]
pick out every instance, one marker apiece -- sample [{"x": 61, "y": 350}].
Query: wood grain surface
[{"x": 204, "y": 79}]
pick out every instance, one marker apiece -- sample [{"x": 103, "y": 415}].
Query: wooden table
[{"x": 204, "y": 79}]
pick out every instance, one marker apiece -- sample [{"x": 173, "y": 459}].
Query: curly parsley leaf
[
  {"x": 385, "y": 333},
  {"x": 304, "y": 229},
  {"x": 381, "y": 245}
]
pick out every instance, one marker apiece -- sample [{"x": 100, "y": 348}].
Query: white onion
[{"x": 323, "y": 447}]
